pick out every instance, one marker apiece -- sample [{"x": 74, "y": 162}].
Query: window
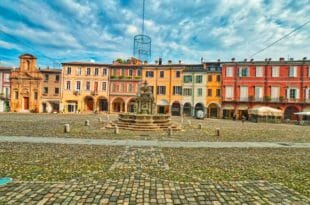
[
  {"x": 229, "y": 72},
  {"x": 123, "y": 87},
  {"x": 78, "y": 85},
  {"x": 292, "y": 71},
  {"x": 87, "y": 85},
  {"x": 149, "y": 74},
  {"x": 243, "y": 72},
  {"x": 114, "y": 71},
  {"x": 209, "y": 92},
  {"x": 130, "y": 88},
  {"x": 122, "y": 72},
  {"x": 275, "y": 71},
  {"x": 188, "y": 79},
  {"x": 7, "y": 77},
  {"x": 79, "y": 71},
  {"x": 57, "y": 78},
  {"x": 177, "y": 90},
  {"x": 130, "y": 72},
  {"x": 96, "y": 71},
  {"x": 293, "y": 93},
  {"x": 218, "y": 78},
  {"x": 177, "y": 74},
  {"x": 161, "y": 90},
  {"x": 104, "y": 71},
  {"x": 88, "y": 71},
  {"x": 152, "y": 88},
  {"x": 199, "y": 79},
  {"x": 68, "y": 85},
  {"x": 309, "y": 71},
  {"x": 243, "y": 93},
  {"x": 275, "y": 93},
  {"x": 308, "y": 94},
  {"x": 199, "y": 91},
  {"x": 104, "y": 86},
  {"x": 45, "y": 90},
  {"x": 218, "y": 92},
  {"x": 35, "y": 95},
  {"x": 258, "y": 93},
  {"x": 114, "y": 88},
  {"x": 16, "y": 95},
  {"x": 209, "y": 78},
  {"x": 161, "y": 74},
  {"x": 259, "y": 71},
  {"x": 139, "y": 72},
  {"x": 7, "y": 92},
  {"x": 56, "y": 91},
  {"x": 187, "y": 92},
  {"x": 229, "y": 92},
  {"x": 46, "y": 77},
  {"x": 68, "y": 70}
]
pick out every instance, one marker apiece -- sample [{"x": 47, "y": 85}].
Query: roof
[
  {"x": 283, "y": 62},
  {"x": 50, "y": 70},
  {"x": 5, "y": 68},
  {"x": 28, "y": 55},
  {"x": 84, "y": 63}
]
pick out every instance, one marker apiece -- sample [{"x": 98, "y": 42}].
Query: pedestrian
[{"x": 243, "y": 118}]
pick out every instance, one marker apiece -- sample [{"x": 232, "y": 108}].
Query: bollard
[
  {"x": 217, "y": 132},
  {"x": 116, "y": 130},
  {"x": 100, "y": 119},
  {"x": 200, "y": 126},
  {"x": 67, "y": 128},
  {"x": 86, "y": 122},
  {"x": 108, "y": 118},
  {"x": 170, "y": 131},
  {"x": 189, "y": 122}
]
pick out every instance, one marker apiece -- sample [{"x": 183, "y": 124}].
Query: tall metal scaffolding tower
[{"x": 142, "y": 43}]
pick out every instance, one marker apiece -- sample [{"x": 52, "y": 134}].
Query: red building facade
[
  {"x": 125, "y": 80},
  {"x": 279, "y": 84}
]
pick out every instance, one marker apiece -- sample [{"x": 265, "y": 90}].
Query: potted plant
[
  {"x": 267, "y": 98},
  {"x": 281, "y": 98}
]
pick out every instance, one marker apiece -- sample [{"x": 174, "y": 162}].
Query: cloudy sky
[{"x": 102, "y": 30}]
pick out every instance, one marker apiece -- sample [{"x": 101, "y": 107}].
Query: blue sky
[{"x": 102, "y": 30}]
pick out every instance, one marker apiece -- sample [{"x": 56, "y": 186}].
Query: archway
[
  {"x": 289, "y": 112},
  {"x": 187, "y": 109},
  {"x": 71, "y": 106},
  {"x": 103, "y": 104},
  {"x": 213, "y": 110},
  {"x": 131, "y": 105},
  {"x": 199, "y": 106},
  {"x": 89, "y": 103},
  {"x": 118, "y": 105},
  {"x": 176, "y": 109}
]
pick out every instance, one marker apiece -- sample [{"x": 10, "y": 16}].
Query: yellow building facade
[
  {"x": 85, "y": 87},
  {"x": 213, "y": 90},
  {"x": 166, "y": 84}
]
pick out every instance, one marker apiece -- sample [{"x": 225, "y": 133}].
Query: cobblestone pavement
[
  {"x": 139, "y": 188},
  {"x": 151, "y": 143}
]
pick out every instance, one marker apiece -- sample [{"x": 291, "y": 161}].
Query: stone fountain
[{"x": 144, "y": 117}]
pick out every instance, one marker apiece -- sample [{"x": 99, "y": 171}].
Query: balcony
[
  {"x": 77, "y": 92},
  {"x": 114, "y": 77},
  {"x": 94, "y": 93}
]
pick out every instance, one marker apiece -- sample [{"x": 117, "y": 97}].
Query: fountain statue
[{"x": 144, "y": 117}]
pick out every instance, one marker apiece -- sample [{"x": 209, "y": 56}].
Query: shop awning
[
  {"x": 242, "y": 107},
  {"x": 228, "y": 107},
  {"x": 163, "y": 103},
  {"x": 266, "y": 111}
]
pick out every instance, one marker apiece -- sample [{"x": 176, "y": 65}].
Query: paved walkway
[
  {"x": 140, "y": 188},
  {"x": 152, "y": 143}
]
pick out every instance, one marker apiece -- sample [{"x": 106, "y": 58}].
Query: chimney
[
  {"x": 281, "y": 59},
  {"x": 169, "y": 62},
  {"x": 245, "y": 60},
  {"x": 218, "y": 60},
  {"x": 291, "y": 59},
  {"x": 252, "y": 59},
  {"x": 304, "y": 58},
  {"x": 233, "y": 59},
  {"x": 269, "y": 59},
  {"x": 266, "y": 59},
  {"x": 145, "y": 62},
  {"x": 180, "y": 62},
  {"x": 160, "y": 61}
]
